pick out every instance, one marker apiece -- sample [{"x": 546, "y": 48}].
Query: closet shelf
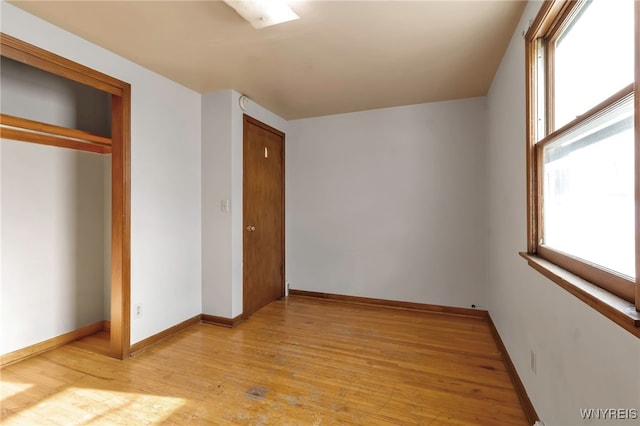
[{"x": 22, "y": 129}]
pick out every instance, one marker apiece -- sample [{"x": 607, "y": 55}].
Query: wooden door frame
[
  {"x": 246, "y": 120},
  {"x": 120, "y": 92}
]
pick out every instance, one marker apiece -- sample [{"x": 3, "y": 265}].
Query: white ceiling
[{"x": 340, "y": 56}]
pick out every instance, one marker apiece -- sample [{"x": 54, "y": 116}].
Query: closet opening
[{"x": 65, "y": 199}]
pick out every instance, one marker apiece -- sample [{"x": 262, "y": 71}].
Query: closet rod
[{"x": 22, "y": 129}]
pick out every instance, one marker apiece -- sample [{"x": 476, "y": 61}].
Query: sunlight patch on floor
[
  {"x": 9, "y": 389},
  {"x": 83, "y": 406}
]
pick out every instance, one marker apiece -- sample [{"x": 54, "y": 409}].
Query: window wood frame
[{"x": 551, "y": 20}]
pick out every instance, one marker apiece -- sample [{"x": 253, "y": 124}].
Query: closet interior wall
[{"x": 55, "y": 211}]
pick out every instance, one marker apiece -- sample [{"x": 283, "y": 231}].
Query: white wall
[
  {"x": 52, "y": 242},
  {"x": 390, "y": 203},
  {"x": 583, "y": 359},
  {"x": 31, "y": 93},
  {"x": 216, "y": 187},
  {"x": 165, "y": 177},
  {"x": 222, "y": 136}
]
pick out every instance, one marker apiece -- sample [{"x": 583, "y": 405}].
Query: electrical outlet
[
  {"x": 534, "y": 366},
  {"x": 137, "y": 311}
]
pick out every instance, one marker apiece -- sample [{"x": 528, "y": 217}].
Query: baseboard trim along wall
[
  {"x": 141, "y": 346},
  {"x": 222, "y": 321},
  {"x": 527, "y": 406},
  {"x": 144, "y": 344},
  {"x": 47, "y": 345},
  {"x": 392, "y": 303}
]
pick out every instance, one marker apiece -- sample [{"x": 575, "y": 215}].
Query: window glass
[
  {"x": 593, "y": 58},
  {"x": 588, "y": 184}
]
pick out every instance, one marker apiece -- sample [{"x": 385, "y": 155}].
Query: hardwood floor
[
  {"x": 99, "y": 343},
  {"x": 298, "y": 361}
]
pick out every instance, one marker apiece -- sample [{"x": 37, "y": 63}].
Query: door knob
[{"x": 251, "y": 228}]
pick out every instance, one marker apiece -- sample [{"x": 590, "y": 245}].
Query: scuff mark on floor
[{"x": 257, "y": 393}]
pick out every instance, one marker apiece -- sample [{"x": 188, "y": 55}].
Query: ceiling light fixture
[{"x": 263, "y": 13}]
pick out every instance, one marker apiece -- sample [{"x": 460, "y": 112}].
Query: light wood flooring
[{"x": 298, "y": 361}]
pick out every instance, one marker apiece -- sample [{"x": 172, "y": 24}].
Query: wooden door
[{"x": 263, "y": 227}]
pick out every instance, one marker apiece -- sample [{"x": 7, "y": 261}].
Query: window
[{"x": 583, "y": 155}]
